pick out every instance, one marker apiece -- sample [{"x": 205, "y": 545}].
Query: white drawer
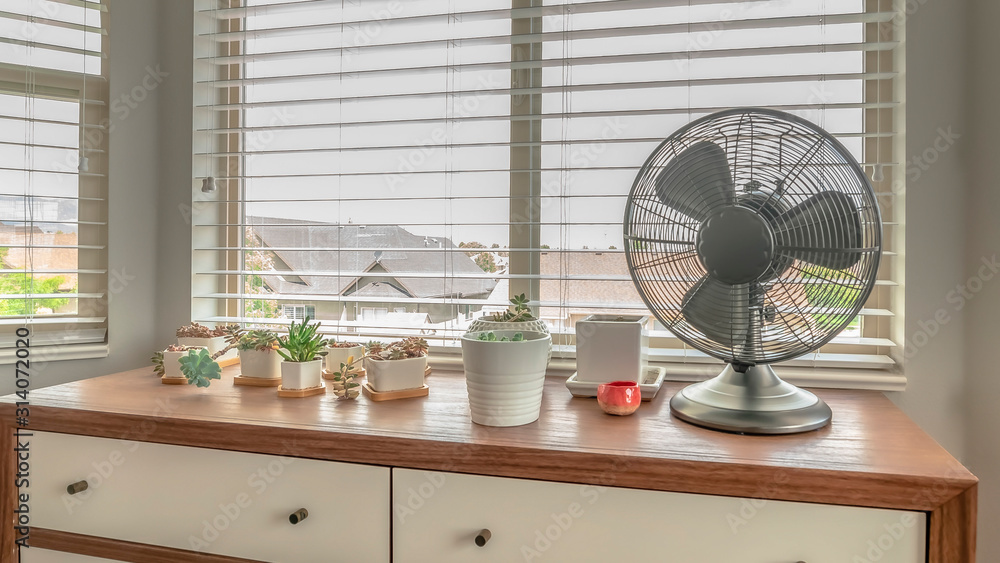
[
  {"x": 437, "y": 517},
  {"x": 35, "y": 555},
  {"x": 221, "y": 502}
]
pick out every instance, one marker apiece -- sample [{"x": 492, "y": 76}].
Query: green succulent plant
[
  {"x": 303, "y": 343},
  {"x": 492, "y": 337},
  {"x": 519, "y": 312},
  {"x": 344, "y": 384},
  {"x": 256, "y": 339},
  {"x": 158, "y": 367},
  {"x": 199, "y": 367}
]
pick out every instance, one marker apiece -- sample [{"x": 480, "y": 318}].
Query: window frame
[
  {"x": 525, "y": 193},
  {"x": 68, "y": 341}
]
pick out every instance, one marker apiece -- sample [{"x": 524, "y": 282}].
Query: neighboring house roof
[
  {"x": 791, "y": 296},
  {"x": 586, "y": 291},
  {"x": 392, "y": 263}
]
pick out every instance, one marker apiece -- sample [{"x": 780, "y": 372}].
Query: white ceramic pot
[
  {"x": 484, "y": 325},
  {"x": 301, "y": 375},
  {"x": 611, "y": 348},
  {"x": 265, "y": 364},
  {"x": 505, "y": 379},
  {"x": 337, "y": 356},
  {"x": 396, "y": 375},
  {"x": 213, "y": 344},
  {"x": 172, "y": 364}
]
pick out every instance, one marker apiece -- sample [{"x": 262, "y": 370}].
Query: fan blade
[
  {"x": 824, "y": 230},
  {"x": 719, "y": 310},
  {"x": 697, "y": 181}
]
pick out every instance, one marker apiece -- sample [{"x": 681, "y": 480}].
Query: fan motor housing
[{"x": 736, "y": 245}]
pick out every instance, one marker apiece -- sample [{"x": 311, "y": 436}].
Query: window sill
[{"x": 816, "y": 377}]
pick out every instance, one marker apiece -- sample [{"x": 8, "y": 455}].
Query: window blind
[
  {"x": 53, "y": 147},
  {"x": 405, "y": 167}
]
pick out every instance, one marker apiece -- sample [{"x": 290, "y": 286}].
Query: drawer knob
[
  {"x": 298, "y": 516},
  {"x": 483, "y": 537},
  {"x": 77, "y": 487}
]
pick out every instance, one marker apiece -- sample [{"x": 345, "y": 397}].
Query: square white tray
[{"x": 651, "y": 381}]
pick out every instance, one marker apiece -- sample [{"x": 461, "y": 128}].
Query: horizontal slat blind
[
  {"x": 53, "y": 147},
  {"x": 405, "y": 167}
]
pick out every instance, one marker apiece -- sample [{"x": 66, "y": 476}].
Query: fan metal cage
[{"x": 753, "y": 235}]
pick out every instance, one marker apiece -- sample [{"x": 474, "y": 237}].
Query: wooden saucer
[
  {"x": 257, "y": 381},
  {"x": 376, "y": 396},
  {"x": 299, "y": 393}
]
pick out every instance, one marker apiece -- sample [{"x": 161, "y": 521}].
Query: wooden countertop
[{"x": 871, "y": 455}]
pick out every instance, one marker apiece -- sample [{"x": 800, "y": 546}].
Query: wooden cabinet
[
  {"x": 211, "y": 501},
  {"x": 438, "y": 516},
  {"x": 179, "y": 473},
  {"x": 48, "y": 556}
]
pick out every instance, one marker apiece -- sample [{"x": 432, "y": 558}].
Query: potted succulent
[
  {"x": 191, "y": 365},
  {"x": 518, "y": 318},
  {"x": 258, "y": 356},
  {"x": 396, "y": 366},
  {"x": 339, "y": 352},
  {"x": 214, "y": 339},
  {"x": 167, "y": 363},
  {"x": 505, "y": 375},
  {"x": 302, "y": 351}
]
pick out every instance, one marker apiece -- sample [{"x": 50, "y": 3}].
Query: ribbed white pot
[
  {"x": 484, "y": 325},
  {"x": 301, "y": 375},
  {"x": 505, "y": 379},
  {"x": 336, "y": 356},
  {"x": 396, "y": 375},
  {"x": 265, "y": 364},
  {"x": 213, "y": 344}
]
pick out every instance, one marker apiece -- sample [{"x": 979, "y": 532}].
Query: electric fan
[{"x": 754, "y": 236}]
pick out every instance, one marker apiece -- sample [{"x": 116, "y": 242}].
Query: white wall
[
  {"x": 935, "y": 214},
  {"x": 982, "y": 327}
]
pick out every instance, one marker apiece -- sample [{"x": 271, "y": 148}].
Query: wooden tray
[
  {"x": 174, "y": 380},
  {"x": 230, "y": 362},
  {"x": 299, "y": 393},
  {"x": 376, "y": 396}
]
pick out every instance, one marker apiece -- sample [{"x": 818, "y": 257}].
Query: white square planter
[
  {"x": 396, "y": 375},
  {"x": 611, "y": 348},
  {"x": 301, "y": 375},
  {"x": 213, "y": 344},
  {"x": 337, "y": 356},
  {"x": 172, "y": 364},
  {"x": 264, "y": 364}
]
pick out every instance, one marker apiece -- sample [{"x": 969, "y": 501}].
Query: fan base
[{"x": 753, "y": 402}]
